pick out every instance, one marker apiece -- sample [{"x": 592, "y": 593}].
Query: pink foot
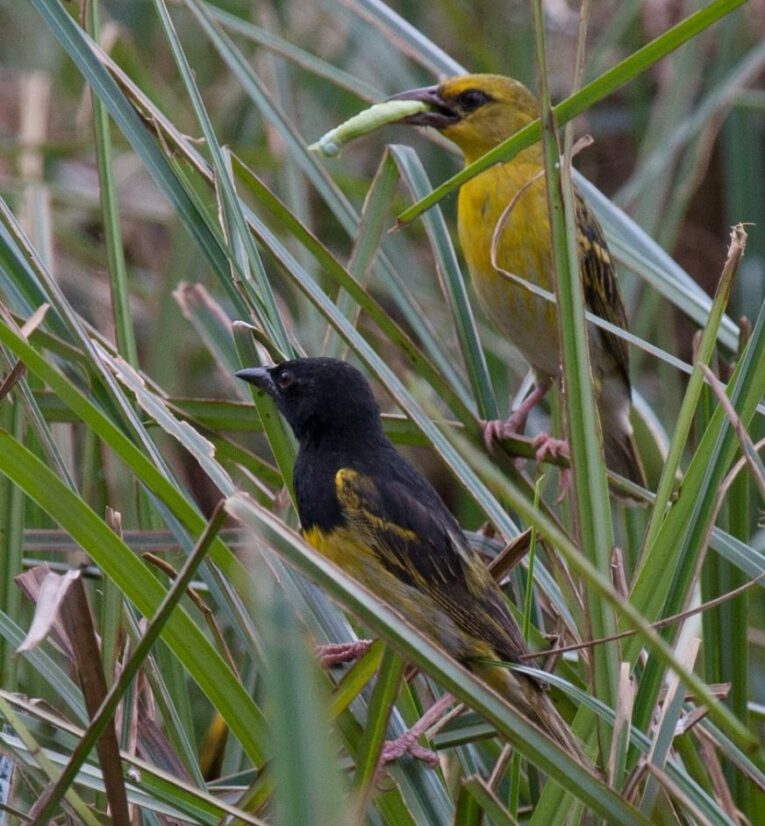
[
  {"x": 547, "y": 445},
  {"x": 341, "y": 652},
  {"x": 496, "y": 430},
  {"x": 407, "y": 742}
]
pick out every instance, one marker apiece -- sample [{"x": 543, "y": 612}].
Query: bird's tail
[
  {"x": 530, "y": 698},
  {"x": 622, "y": 456}
]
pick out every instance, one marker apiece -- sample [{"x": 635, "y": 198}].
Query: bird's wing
[
  {"x": 418, "y": 541},
  {"x": 600, "y": 289}
]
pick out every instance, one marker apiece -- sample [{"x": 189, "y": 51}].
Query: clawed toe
[
  {"x": 341, "y": 652},
  {"x": 492, "y": 433},
  {"x": 496, "y": 430},
  {"x": 547, "y": 445},
  {"x": 407, "y": 744}
]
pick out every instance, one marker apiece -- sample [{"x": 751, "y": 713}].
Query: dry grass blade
[
  {"x": 68, "y": 599},
  {"x": 747, "y": 445}
]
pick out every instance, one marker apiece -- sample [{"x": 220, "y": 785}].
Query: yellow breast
[{"x": 522, "y": 248}]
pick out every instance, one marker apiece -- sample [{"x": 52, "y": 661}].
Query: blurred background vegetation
[{"x": 112, "y": 220}]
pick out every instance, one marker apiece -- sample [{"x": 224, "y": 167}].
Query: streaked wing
[
  {"x": 420, "y": 543},
  {"x": 600, "y": 289}
]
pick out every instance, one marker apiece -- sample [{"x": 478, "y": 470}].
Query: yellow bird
[{"x": 477, "y": 112}]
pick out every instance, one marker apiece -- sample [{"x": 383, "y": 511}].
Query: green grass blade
[
  {"x": 111, "y": 220},
  {"x": 254, "y": 280},
  {"x": 308, "y": 787},
  {"x": 683, "y": 535},
  {"x": 693, "y": 392},
  {"x": 585, "y": 440}
]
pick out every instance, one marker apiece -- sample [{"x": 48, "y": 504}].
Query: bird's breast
[
  {"x": 504, "y": 231},
  {"x": 314, "y": 481}
]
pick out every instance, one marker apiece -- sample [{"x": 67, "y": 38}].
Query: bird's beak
[
  {"x": 441, "y": 113},
  {"x": 260, "y": 377}
]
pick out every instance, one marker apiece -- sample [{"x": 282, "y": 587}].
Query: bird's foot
[
  {"x": 497, "y": 430},
  {"x": 341, "y": 652},
  {"x": 407, "y": 743},
  {"x": 548, "y": 446}
]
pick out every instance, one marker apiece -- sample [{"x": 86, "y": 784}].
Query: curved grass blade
[
  {"x": 254, "y": 280},
  {"x": 454, "y": 283}
]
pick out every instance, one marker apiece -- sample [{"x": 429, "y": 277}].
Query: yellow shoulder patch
[
  {"x": 359, "y": 498},
  {"x": 347, "y": 488}
]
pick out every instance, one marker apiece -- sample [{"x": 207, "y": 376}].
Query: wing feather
[
  {"x": 418, "y": 541},
  {"x": 600, "y": 288}
]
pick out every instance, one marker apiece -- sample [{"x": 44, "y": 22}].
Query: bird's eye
[
  {"x": 472, "y": 99},
  {"x": 285, "y": 379}
]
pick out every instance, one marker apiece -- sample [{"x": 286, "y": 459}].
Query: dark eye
[
  {"x": 472, "y": 99},
  {"x": 285, "y": 379}
]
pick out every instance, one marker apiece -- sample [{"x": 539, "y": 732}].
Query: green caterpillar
[{"x": 330, "y": 144}]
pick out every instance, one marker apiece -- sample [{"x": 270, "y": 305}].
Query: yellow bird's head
[{"x": 476, "y": 112}]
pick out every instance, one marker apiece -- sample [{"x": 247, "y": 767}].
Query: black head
[{"x": 323, "y": 399}]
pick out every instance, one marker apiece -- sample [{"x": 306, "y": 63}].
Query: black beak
[
  {"x": 259, "y": 376},
  {"x": 441, "y": 113}
]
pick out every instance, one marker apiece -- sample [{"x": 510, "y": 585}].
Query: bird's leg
[
  {"x": 546, "y": 446},
  {"x": 341, "y": 652},
  {"x": 496, "y": 430},
  {"x": 407, "y": 742}
]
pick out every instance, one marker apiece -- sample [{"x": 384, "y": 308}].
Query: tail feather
[
  {"x": 622, "y": 456},
  {"x": 545, "y": 713},
  {"x": 531, "y": 699}
]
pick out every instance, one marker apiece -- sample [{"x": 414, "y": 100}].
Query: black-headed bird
[
  {"x": 478, "y": 112},
  {"x": 363, "y": 506}
]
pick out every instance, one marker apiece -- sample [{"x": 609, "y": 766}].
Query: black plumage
[{"x": 364, "y": 506}]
